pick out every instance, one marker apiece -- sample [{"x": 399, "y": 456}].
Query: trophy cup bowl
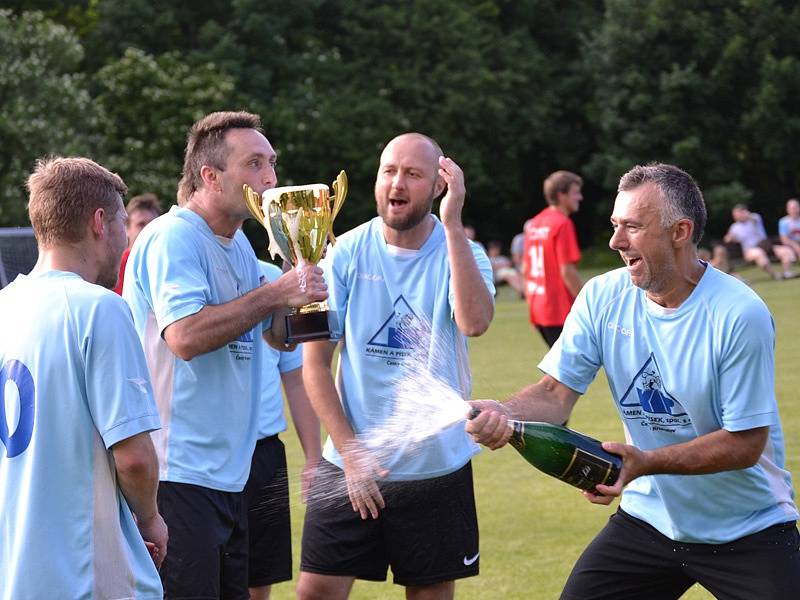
[{"x": 299, "y": 222}]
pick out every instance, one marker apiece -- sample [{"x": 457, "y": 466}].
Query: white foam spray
[{"x": 423, "y": 404}]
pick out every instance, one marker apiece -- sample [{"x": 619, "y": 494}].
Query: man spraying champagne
[{"x": 688, "y": 352}]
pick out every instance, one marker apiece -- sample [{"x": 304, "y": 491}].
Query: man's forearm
[
  {"x": 321, "y": 390},
  {"x": 546, "y": 400},
  {"x": 137, "y": 474},
  {"x": 305, "y": 420},
  {"x": 713, "y": 452},
  {"x": 473, "y": 304},
  {"x": 276, "y": 335},
  {"x": 571, "y": 278},
  {"x": 216, "y": 325}
]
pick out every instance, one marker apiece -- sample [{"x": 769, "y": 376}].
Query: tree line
[{"x": 512, "y": 89}]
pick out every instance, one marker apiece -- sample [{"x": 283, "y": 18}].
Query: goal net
[{"x": 18, "y": 252}]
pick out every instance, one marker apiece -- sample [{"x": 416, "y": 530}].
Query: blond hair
[{"x": 65, "y": 192}]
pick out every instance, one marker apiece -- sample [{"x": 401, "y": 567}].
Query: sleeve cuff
[{"x": 129, "y": 428}]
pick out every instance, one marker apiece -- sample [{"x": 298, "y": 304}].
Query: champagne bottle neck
[{"x": 517, "y": 434}]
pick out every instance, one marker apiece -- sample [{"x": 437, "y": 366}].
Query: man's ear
[
  {"x": 439, "y": 187},
  {"x": 682, "y": 232},
  {"x": 210, "y": 177},
  {"x": 98, "y": 224}
]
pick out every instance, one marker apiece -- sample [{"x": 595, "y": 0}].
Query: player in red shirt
[
  {"x": 141, "y": 210},
  {"x": 551, "y": 255}
]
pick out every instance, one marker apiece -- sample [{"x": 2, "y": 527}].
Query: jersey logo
[
  {"x": 242, "y": 347},
  {"x": 399, "y": 330},
  {"x": 537, "y": 233},
  {"x": 648, "y": 401},
  {"x": 140, "y": 383},
  {"x": 400, "y": 335},
  {"x": 16, "y": 373}
]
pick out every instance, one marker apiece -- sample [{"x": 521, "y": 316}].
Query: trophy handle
[
  {"x": 339, "y": 194},
  {"x": 253, "y": 201}
]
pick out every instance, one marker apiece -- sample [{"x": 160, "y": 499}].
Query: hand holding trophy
[{"x": 299, "y": 221}]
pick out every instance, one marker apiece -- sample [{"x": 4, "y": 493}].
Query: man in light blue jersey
[
  {"x": 789, "y": 227},
  {"x": 689, "y": 356},
  {"x": 267, "y": 488},
  {"x": 78, "y": 471},
  {"x": 194, "y": 287},
  {"x": 404, "y": 271}
]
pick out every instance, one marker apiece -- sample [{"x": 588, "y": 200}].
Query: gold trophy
[{"x": 299, "y": 221}]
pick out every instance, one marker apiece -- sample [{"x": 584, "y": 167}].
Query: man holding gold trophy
[
  {"x": 401, "y": 272},
  {"x": 199, "y": 306}
]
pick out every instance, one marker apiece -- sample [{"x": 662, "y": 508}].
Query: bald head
[
  {"x": 408, "y": 181},
  {"x": 424, "y": 147}
]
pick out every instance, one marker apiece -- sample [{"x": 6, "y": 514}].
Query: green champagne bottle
[{"x": 563, "y": 453}]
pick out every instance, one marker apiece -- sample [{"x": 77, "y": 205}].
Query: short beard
[
  {"x": 411, "y": 220},
  {"x": 106, "y": 282},
  {"x": 406, "y": 223}
]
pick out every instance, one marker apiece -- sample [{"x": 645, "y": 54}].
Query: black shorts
[
  {"x": 428, "y": 532},
  {"x": 269, "y": 527},
  {"x": 630, "y": 560},
  {"x": 550, "y": 333},
  {"x": 207, "y": 547}
]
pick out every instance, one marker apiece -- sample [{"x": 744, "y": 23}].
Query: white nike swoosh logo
[{"x": 469, "y": 561}]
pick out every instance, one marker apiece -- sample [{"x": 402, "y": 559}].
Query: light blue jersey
[
  {"x": 789, "y": 227},
  {"x": 383, "y": 297},
  {"x": 674, "y": 376},
  {"x": 271, "y": 419},
  {"x": 208, "y": 405},
  {"x": 73, "y": 382}
]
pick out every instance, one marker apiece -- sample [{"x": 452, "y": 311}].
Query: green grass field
[{"x": 533, "y": 527}]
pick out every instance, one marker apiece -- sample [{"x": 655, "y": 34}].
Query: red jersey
[
  {"x": 123, "y": 262},
  {"x": 550, "y": 241}
]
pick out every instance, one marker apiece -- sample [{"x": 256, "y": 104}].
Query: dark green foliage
[
  {"x": 512, "y": 89},
  {"x": 710, "y": 85},
  {"x": 45, "y": 107}
]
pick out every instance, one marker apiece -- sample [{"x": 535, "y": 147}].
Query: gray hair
[{"x": 682, "y": 198}]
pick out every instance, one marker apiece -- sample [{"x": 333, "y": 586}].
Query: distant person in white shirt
[
  {"x": 748, "y": 230},
  {"x": 502, "y": 268}
]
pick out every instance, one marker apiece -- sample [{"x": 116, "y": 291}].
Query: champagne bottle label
[
  {"x": 585, "y": 470},
  {"x": 517, "y": 440},
  {"x": 572, "y": 464}
]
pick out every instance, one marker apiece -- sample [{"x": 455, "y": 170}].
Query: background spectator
[
  {"x": 141, "y": 210},
  {"x": 789, "y": 227},
  {"x": 503, "y": 270},
  {"x": 748, "y": 230}
]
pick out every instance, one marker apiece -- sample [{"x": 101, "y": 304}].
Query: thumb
[{"x": 614, "y": 447}]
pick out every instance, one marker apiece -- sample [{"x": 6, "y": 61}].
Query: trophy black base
[{"x": 307, "y": 327}]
